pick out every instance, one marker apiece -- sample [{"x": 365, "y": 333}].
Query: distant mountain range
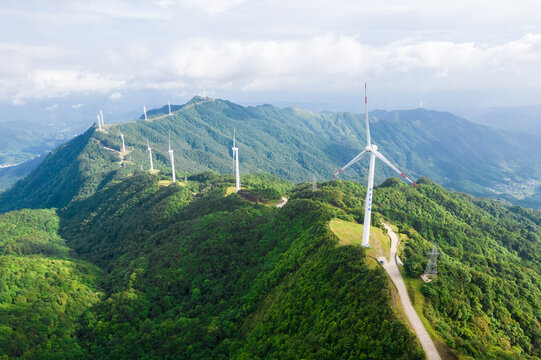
[
  {"x": 525, "y": 119},
  {"x": 294, "y": 144}
]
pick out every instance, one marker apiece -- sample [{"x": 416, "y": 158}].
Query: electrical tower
[
  {"x": 314, "y": 183},
  {"x": 432, "y": 266}
]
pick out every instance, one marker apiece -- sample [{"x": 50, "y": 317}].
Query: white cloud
[
  {"x": 115, "y": 96},
  {"x": 165, "y": 85},
  {"x": 76, "y": 106},
  {"x": 53, "y": 83},
  {"x": 208, "y": 6},
  {"x": 119, "y": 10},
  {"x": 329, "y": 61}
]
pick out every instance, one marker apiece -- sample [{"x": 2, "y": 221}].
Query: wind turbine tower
[
  {"x": 236, "y": 159},
  {"x": 373, "y": 150},
  {"x": 172, "y": 160},
  {"x": 99, "y": 121},
  {"x": 123, "y": 145},
  {"x": 170, "y": 113},
  {"x": 145, "y": 111},
  {"x": 150, "y": 155},
  {"x": 101, "y": 114}
]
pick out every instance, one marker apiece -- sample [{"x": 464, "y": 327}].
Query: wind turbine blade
[
  {"x": 384, "y": 159},
  {"x": 355, "y": 159},
  {"x": 366, "y": 111}
]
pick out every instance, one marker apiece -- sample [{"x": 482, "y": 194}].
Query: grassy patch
[
  {"x": 351, "y": 233},
  {"x": 169, "y": 182}
]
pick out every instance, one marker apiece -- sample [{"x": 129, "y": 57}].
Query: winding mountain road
[
  {"x": 282, "y": 203},
  {"x": 392, "y": 269}
]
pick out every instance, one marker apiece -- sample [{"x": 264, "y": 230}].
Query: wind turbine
[
  {"x": 236, "y": 159},
  {"x": 373, "y": 150},
  {"x": 145, "y": 111},
  {"x": 169, "y": 103},
  {"x": 101, "y": 114},
  {"x": 99, "y": 121},
  {"x": 172, "y": 160},
  {"x": 150, "y": 155},
  {"x": 123, "y": 146}
]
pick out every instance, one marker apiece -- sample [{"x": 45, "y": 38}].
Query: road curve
[
  {"x": 282, "y": 203},
  {"x": 392, "y": 269}
]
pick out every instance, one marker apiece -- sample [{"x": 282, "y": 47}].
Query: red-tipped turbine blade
[
  {"x": 384, "y": 159},
  {"x": 355, "y": 159}
]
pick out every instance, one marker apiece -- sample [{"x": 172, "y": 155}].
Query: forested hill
[
  {"x": 197, "y": 271},
  {"x": 291, "y": 143},
  {"x": 189, "y": 272}
]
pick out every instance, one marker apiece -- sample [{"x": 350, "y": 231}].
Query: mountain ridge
[{"x": 296, "y": 144}]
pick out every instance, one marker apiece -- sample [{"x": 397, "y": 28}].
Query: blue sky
[{"x": 411, "y": 53}]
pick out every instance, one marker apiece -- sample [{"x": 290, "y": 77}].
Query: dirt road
[{"x": 392, "y": 269}]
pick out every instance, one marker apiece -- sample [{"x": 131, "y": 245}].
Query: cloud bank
[
  {"x": 330, "y": 62},
  {"x": 263, "y": 47}
]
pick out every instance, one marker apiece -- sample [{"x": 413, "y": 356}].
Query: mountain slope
[
  {"x": 294, "y": 144},
  {"x": 189, "y": 271},
  {"x": 43, "y": 291},
  {"x": 216, "y": 277},
  {"x": 10, "y": 175},
  {"x": 486, "y": 302}
]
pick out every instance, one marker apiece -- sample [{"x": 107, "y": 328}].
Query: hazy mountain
[{"x": 526, "y": 119}]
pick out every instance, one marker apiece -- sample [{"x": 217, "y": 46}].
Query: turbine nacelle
[{"x": 371, "y": 147}]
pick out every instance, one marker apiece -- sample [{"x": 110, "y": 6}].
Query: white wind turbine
[
  {"x": 123, "y": 145},
  {"x": 236, "y": 159},
  {"x": 150, "y": 155},
  {"x": 172, "y": 160},
  {"x": 145, "y": 111},
  {"x": 101, "y": 114},
  {"x": 99, "y": 121},
  {"x": 169, "y": 103},
  {"x": 373, "y": 150}
]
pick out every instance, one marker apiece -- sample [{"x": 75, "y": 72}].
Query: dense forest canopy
[{"x": 143, "y": 270}]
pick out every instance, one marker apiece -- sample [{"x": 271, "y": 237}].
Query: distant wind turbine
[
  {"x": 123, "y": 145},
  {"x": 172, "y": 160},
  {"x": 373, "y": 150},
  {"x": 236, "y": 159},
  {"x": 170, "y": 113},
  {"x": 101, "y": 114},
  {"x": 99, "y": 121},
  {"x": 150, "y": 155},
  {"x": 145, "y": 111}
]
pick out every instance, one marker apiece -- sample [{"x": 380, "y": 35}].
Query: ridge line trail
[
  {"x": 391, "y": 268},
  {"x": 159, "y": 117},
  {"x": 149, "y": 120}
]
